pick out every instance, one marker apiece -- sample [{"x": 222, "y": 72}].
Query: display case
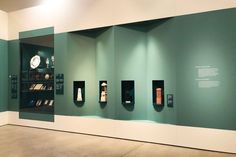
[
  {"x": 158, "y": 92},
  {"x": 127, "y": 92},
  {"x": 37, "y": 75},
  {"x": 103, "y": 91},
  {"x": 79, "y": 91}
]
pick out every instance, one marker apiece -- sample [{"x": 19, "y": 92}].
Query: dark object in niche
[
  {"x": 127, "y": 92},
  {"x": 128, "y": 97},
  {"x": 31, "y": 103}
]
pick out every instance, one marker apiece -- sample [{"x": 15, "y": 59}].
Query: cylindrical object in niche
[
  {"x": 158, "y": 96},
  {"x": 79, "y": 95}
]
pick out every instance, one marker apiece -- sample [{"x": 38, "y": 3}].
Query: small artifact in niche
[
  {"x": 103, "y": 97},
  {"x": 128, "y": 97},
  {"x": 45, "y": 102},
  {"x": 32, "y": 87},
  {"x": 51, "y": 103},
  {"x": 103, "y": 92},
  {"x": 47, "y": 62},
  {"x": 38, "y": 86},
  {"x": 38, "y": 103},
  {"x": 49, "y": 88},
  {"x": 35, "y": 61},
  {"x": 47, "y": 76},
  {"x": 53, "y": 60},
  {"x": 158, "y": 96},
  {"x": 79, "y": 95}
]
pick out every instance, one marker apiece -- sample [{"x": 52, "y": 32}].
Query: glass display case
[{"x": 37, "y": 74}]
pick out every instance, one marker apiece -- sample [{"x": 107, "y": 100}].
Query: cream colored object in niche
[
  {"x": 103, "y": 92},
  {"x": 79, "y": 95}
]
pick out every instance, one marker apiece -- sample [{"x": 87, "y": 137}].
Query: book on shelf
[{"x": 38, "y": 86}]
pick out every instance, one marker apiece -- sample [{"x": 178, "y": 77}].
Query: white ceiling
[{"x": 13, "y": 5}]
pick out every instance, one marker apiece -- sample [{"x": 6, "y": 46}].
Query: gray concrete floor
[{"x": 16, "y": 141}]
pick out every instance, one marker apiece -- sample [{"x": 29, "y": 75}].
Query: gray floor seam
[{"x": 128, "y": 152}]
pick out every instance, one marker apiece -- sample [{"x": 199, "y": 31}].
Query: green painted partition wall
[
  {"x": 193, "y": 54},
  {"x": 206, "y": 39},
  {"x": 3, "y": 75},
  {"x": 130, "y": 61},
  {"x": 15, "y": 49},
  {"x": 13, "y": 69}
]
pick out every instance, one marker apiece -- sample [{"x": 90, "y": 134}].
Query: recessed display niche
[
  {"x": 127, "y": 92},
  {"x": 158, "y": 92},
  {"x": 103, "y": 91},
  {"x": 79, "y": 91},
  {"x": 37, "y": 74}
]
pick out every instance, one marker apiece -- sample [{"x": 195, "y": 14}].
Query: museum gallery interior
[{"x": 150, "y": 71}]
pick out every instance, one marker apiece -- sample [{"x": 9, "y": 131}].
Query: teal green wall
[
  {"x": 206, "y": 39},
  {"x": 37, "y": 32},
  {"x": 105, "y": 70},
  {"x": 13, "y": 69},
  {"x": 83, "y": 58},
  {"x": 130, "y": 61},
  {"x": 170, "y": 52},
  {"x": 3, "y": 75},
  {"x": 79, "y": 65},
  {"x": 161, "y": 65}
]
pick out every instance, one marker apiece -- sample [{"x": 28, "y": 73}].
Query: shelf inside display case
[
  {"x": 127, "y": 92},
  {"x": 79, "y": 91}
]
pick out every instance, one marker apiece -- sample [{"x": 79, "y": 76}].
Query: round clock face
[{"x": 35, "y": 61}]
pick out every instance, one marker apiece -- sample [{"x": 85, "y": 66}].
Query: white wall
[
  {"x": 67, "y": 15},
  {"x": 193, "y": 137},
  {"x": 3, "y": 118},
  {"x": 3, "y": 25}
]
